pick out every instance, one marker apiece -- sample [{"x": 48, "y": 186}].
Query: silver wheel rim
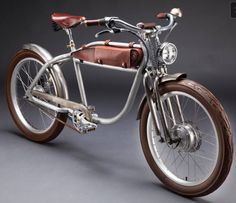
[
  {"x": 186, "y": 168},
  {"x": 32, "y": 117}
]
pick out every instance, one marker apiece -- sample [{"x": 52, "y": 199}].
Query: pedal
[{"x": 81, "y": 123}]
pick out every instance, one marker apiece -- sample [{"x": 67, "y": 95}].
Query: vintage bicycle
[{"x": 184, "y": 130}]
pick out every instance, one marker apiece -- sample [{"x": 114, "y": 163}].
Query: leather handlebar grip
[
  {"x": 97, "y": 22},
  {"x": 162, "y": 15}
]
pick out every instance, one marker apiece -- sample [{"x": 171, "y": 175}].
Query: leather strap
[
  {"x": 124, "y": 65},
  {"x": 131, "y": 44},
  {"x": 99, "y": 61},
  {"x": 106, "y": 43},
  {"x": 83, "y": 46}
]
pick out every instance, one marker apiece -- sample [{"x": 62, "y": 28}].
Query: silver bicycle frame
[
  {"x": 67, "y": 57},
  {"x": 137, "y": 80}
]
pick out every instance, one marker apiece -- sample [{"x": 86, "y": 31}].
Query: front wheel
[{"x": 199, "y": 160}]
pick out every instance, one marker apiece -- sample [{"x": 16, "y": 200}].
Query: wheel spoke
[
  {"x": 41, "y": 115},
  {"x": 185, "y": 104},
  {"x": 208, "y": 142},
  {"x": 25, "y": 87},
  {"x": 169, "y": 152},
  {"x": 206, "y": 134},
  {"x": 183, "y": 159},
  {"x": 30, "y": 79},
  {"x": 174, "y": 161},
  {"x": 203, "y": 157},
  {"x": 31, "y": 116},
  {"x": 179, "y": 109},
  {"x": 199, "y": 167}
]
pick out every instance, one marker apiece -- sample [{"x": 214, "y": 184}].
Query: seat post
[
  {"x": 71, "y": 44},
  {"x": 77, "y": 69}
]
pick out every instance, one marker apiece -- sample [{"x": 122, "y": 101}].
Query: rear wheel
[
  {"x": 200, "y": 159},
  {"x": 36, "y": 124}
]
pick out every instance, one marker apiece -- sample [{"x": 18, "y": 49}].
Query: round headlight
[{"x": 168, "y": 53}]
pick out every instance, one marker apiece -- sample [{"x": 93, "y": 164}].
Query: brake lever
[
  {"x": 103, "y": 32},
  {"x": 111, "y": 31}
]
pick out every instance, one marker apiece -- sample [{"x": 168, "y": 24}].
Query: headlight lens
[{"x": 168, "y": 53}]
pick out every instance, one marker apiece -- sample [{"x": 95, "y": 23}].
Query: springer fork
[{"x": 151, "y": 86}]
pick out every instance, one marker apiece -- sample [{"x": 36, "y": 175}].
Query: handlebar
[
  {"x": 171, "y": 19},
  {"x": 110, "y": 22},
  {"x": 114, "y": 23}
]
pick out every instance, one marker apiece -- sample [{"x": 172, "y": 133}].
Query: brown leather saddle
[{"x": 66, "y": 20}]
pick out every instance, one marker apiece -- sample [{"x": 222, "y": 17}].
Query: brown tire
[
  {"x": 225, "y": 142},
  {"x": 55, "y": 128}
]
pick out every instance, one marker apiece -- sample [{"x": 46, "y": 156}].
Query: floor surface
[{"x": 104, "y": 166}]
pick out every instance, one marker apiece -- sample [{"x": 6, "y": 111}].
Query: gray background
[{"x": 108, "y": 165}]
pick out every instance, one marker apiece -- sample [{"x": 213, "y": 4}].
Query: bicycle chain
[{"x": 48, "y": 113}]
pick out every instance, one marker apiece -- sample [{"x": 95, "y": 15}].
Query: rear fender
[{"x": 56, "y": 70}]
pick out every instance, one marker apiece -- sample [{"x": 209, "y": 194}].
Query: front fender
[
  {"x": 166, "y": 78},
  {"x": 56, "y": 70}
]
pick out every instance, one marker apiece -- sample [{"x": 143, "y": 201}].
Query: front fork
[{"x": 155, "y": 103}]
